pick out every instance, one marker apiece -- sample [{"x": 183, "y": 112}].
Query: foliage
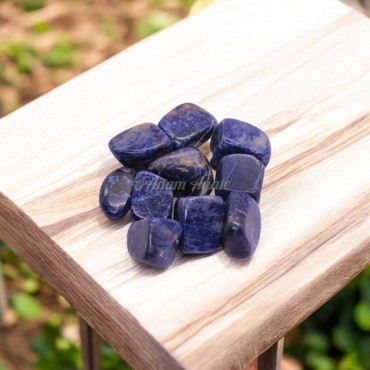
[
  {"x": 22, "y": 55},
  {"x": 337, "y": 336},
  {"x": 60, "y": 55},
  {"x": 26, "y": 306},
  {"x": 58, "y": 352},
  {"x": 32, "y": 5},
  {"x": 54, "y": 351},
  {"x": 54, "y": 347},
  {"x": 53, "y": 40},
  {"x": 153, "y": 22},
  {"x": 41, "y": 27},
  {"x": 157, "y": 19},
  {"x": 200, "y": 5}
]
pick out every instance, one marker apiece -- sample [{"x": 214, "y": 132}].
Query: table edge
[{"x": 32, "y": 244}]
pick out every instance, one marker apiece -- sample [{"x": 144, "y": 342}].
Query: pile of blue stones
[{"x": 162, "y": 167}]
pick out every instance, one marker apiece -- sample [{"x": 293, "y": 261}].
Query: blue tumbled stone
[
  {"x": 242, "y": 226},
  {"x": 201, "y": 219},
  {"x": 187, "y": 169},
  {"x": 240, "y": 172},
  {"x": 151, "y": 196},
  {"x": 115, "y": 192},
  {"x": 154, "y": 241},
  {"x": 139, "y": 145},
  {"x": 233, "y": 136},
  {"x": 188, "y": 125}
]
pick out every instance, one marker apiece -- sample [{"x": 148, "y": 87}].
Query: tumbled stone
[
  {"x": 154, "y": 241},
  {"x": 187, "y": 169},
  {"x": 188, "y": 125},
  {"x": 115, "y": 192},
  {"x": 242, "y": 226},
  {"x": 240, "y": 172},
  {"x": 233, "y": 136},
  {"x": 139, "y": 145},
  {"x": 151, "y": 196},
  {"x": 201, "y": 219}
]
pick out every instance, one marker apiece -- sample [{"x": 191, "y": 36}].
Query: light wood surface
[{"x": 299, "y": 69}]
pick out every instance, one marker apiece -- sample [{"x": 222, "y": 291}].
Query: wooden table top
[{"x": 299, "y": 69}]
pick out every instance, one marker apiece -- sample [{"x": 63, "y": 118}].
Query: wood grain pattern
[
  {"x": 298, "y": 69},
  {"x": 362, "y": 5}
]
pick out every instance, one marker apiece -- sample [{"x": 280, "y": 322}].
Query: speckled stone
[
  {"x": 151, "y": 196},
  {"x": 233, "y": 136},
  {"x": 242, "y": 226},
  {"x": 241, "y": 172},
  {"x": 188, "y": 167},
  {"x": 139, "y": 145},
  {"x": 201, "y": 219},
  {"x": 188, "y": 125},
  {"x": 115, "y": 192},
  {"x": 154, "y": 241}
]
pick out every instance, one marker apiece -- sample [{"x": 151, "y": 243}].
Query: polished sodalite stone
[
  {"x": 201, "y": 219},
  {"x": 240, "y": 172},
  {"x": 233, "y": 136},
  {"x": 139, "y": 145},
  {"x": 151, "y": 196},
  {"x": 115, "y": 192},
  {"x": 187, "y": 169},
  {"x": 188, "y": 125},
  {"x": 242, "y": 226},
  {"x": 154, "y": 241}
]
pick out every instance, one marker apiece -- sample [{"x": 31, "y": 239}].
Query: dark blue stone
[
  {"x": 233, "y": 136},
  {"x": 139, "y": 145},
  {"x": 188, "y": 125},
  {"x": 187, "y": 169},
  {"x": 240, "y": 172},
  {"x": 242, "y": 226},
  {"x": 115, "y": 193},
  {"x": 151, "y": 196},
  {"x": 154, "y": 241},
  {"x": 201, "y": 219}
]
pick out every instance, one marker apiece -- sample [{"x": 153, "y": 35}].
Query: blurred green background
[{"x": 43, "y": 43}]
